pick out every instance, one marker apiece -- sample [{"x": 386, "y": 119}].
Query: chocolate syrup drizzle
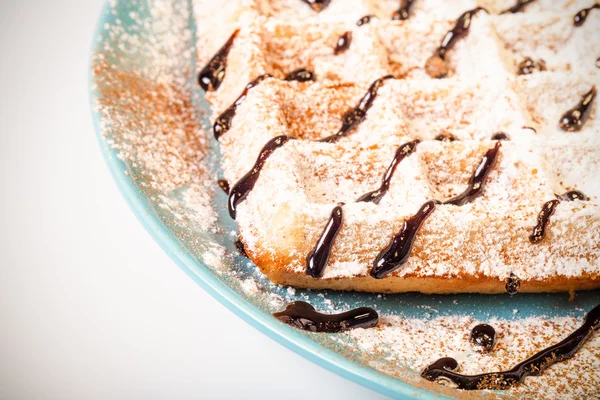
[
  {"x": 445, "y": 137},
  {"x": 355, "y": 116},
  {"x": 242, "y": 188},
  {"x": 528, "y": 66},
  {"x": 223, "y": 122},
  {"x": 573, "y": 120},
  {"x": 211, "y": 76},
  {"x": 317, "y": 259},
  {"x": 444, "y": 368},
  {"x": 343, "y": 43},
  {"x": 364, "y": 20},
  {"x": 477, "y": 180},
  {"x": 403, "y": 13},
  {"x": 500, "y": 136},
  {"x": 317, "y": 5},
  {"x": 517, "y": 7},
  {"x": 239, "y": 245},
  {"x": 513, "y": 283},
  {"x": 483, "y": 336},
  {"x": 300, "y": 75},
  {"x": 302, "y": 315},
  {"x": 396, "y": 253},
  {"x": 460, "y": 30},
  {"x": 224, "y": 185},
  {"x": 402, "y": 152},
  {"x": 539, "y": 231},
  {"x": 435, "y": 65},
  {"x": 581, "y": 16}
]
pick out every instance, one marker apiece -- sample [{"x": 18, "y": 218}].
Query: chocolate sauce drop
[
  {"x": 402, "y": 152},
  {"x": 483, "y": 336},
  {"x": 598, "y": 62},
  {"x": 534, "y": 365},
  {"x": 355, "y": 116},
  {"x": 239, "y": 245},
  {"x": 242, "y": 188},
  {"x": 403, "y": 13},
  {"x": 447, "y": 363},
  {"x": 581, "y": 16},
  {"x": 396, "y": 253},
  {"x": 539, "y": 231},
  {"x": 302, "y": 315},
  {"x": 343, "y": 43},
  {"x": 573, "y": 120},
  {"x": 529, "y": 127},
  {"x": 435, "y": 66},
  {"x": 300, "y": 75},
  {"x": 513, "y": 283},
  {"x": 445, "y": 137},
  {"x": 517, "y": 7},
  {"x": 477, "y": 180},
  {"x": 573, "y": 195},
  {"x": 317, "y": 5},
  {"x": 500, "y": 136},
  {"x": 364, "y": 20},
  {"x": 224, "y": 185},
  {"x": 528, "y": 66},
  {"x": 211, "y": 76},
  {"x": 223, "y": 122},
  {"x": 317, "y": 259}
]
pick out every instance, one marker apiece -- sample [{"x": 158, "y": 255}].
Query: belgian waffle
[{"x": 393, "y": 162}]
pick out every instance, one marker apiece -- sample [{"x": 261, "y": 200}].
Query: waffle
[{"x": 507, "y": 86}]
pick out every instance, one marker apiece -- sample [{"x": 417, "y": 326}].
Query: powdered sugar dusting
[
  {"x": 148, "y": 113},
  {"x": 416, "y": 343}
]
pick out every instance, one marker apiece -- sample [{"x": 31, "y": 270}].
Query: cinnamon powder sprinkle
[{"x": 152, "y": 124}]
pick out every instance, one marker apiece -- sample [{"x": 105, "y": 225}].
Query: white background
[{"x": 90, "y": 306}]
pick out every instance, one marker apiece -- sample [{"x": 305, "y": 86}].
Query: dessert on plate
[{"x": 386, "y": 146}]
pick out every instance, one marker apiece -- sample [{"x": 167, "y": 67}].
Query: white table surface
[{"x": 90, "y": 306}]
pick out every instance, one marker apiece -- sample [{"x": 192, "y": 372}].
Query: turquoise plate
[{"x": 139, "y": 45}]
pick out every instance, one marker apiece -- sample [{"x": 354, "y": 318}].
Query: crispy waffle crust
[{"x": 481, "y": 246}]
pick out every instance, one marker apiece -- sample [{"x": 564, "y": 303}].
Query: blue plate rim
[{"x": 203, "y": 276}]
